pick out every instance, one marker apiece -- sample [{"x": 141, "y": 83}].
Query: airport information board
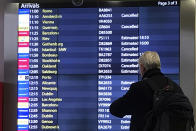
[{"x": 73, "y": 61}]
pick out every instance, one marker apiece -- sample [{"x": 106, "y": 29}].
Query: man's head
[{"x": 149, "y": 60}]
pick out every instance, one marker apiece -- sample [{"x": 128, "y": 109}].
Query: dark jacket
[{"x": 138, "y": 100}]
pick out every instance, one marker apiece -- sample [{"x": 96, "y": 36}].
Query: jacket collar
[{"x": 151, "y": 72}]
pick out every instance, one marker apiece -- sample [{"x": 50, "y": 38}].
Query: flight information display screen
[{"x": 74, "y": 59}]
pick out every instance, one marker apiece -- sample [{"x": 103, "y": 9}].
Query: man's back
[{"x": 138, "y": 100}]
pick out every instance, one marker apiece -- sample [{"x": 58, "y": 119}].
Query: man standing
[{"x": 138, "y": 101}]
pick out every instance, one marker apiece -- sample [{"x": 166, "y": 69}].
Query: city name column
[{"x": 49, "y": 86}]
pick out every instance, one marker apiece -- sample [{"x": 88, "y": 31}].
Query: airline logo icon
[
  {"x": 23, "y": 44},
  {"x": 23, "y": 39},
  {"x": 23, "y": 127},
  {"x": 23, "y": 84},
  {"x": 23, "y": 67},
  {"x": 23, "y": 72},
  {"x": 23, "y": 28},
  {"x": 23, "y": 93},
  {"x": 23, "y": 61},
  {"x": 23, "y": 105},
  {"x": 24, "y": 11},
  {"x": 23, "y": 55},
  {"x": 23, "y": 121},
  {"x": 23, "y": 33},
  {"x": 24, "y": 89},
  {"x": 23, "y": 99},
  {"x": 23, "y": 77},
  {"x": 23, "y": 50}
]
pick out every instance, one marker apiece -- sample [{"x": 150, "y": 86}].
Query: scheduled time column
[{"x": 34, "y": 69}]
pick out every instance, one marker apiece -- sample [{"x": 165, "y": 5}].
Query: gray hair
[{"x": 150, "y": 60}]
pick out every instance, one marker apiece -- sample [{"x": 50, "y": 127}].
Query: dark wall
[
  {"x": 10, "y": 67},
  {"x": 1, "y": 40}
]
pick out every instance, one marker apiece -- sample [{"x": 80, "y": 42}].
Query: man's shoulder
[{"x": 139, "y": 84}]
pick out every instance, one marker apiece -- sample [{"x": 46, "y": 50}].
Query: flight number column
[{"x": 104, "y": 68}]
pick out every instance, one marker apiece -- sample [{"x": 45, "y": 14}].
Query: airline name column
[{"x": 23, "y": 70}]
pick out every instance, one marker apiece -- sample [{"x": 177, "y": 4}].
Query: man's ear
[{"x": 143, "y": 69}]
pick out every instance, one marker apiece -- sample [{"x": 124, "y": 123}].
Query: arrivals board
[{"x": 74, "y": 60}]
